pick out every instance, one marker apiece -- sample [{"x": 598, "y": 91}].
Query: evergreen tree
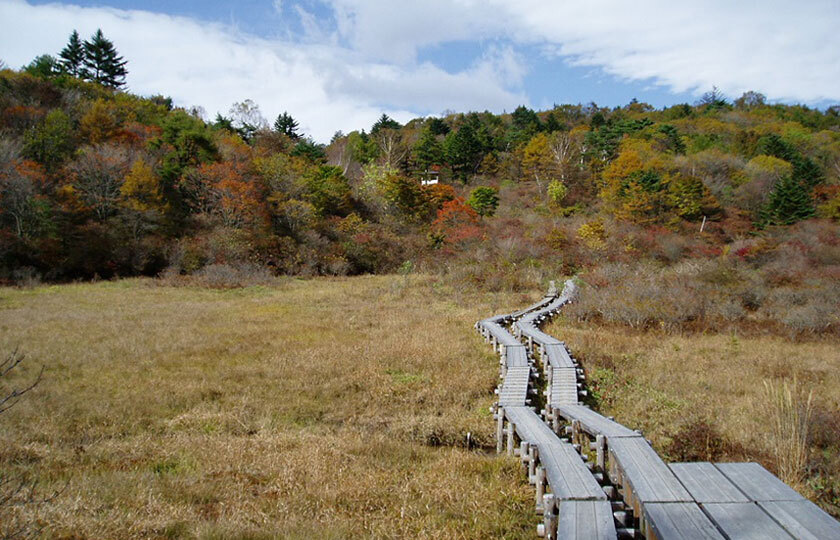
[
  {"x": 102, "y": 63},
  {"x": 463, "y": 151},
  {"x": 523, "y": 126},
  {"x": 73, "y": 56},
  {"x": 789, "y": 202},
  {"x": 552, "y": 124},
  {"x": 44, "y": 66},
  {"x": 287, "y": 125},
  {"x": 384, "y": 122},
  {"x": 484, "y": 200},
  {"x": 428, "y": 151},
  {"x": 311, "y": 150},
  {"x": 223, "y": 122},
  {"x": 438, "y": 126}
]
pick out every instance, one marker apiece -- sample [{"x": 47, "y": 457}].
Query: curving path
[{"x": 597, "y": 479}]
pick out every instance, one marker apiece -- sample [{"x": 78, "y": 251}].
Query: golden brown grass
[
  {"x": 703, "y": 397},
  {"x": 790, "y": 417},
  {"x": 326, "y": 408}
]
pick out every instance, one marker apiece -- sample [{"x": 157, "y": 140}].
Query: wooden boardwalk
[{"x": 597, "y": 479}]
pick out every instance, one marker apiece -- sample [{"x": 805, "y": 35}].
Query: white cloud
[
  {"x": 787, "y": 50},
  {"x": 326, "y": 87}
]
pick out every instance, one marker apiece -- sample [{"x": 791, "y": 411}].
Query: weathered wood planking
[
  {"x": 563, "y": 388},
  {"x": 644, "y": 472},
  {"x": 514, "y": 390},
  {"x": 501, "y": 335},
  {"x": 684, "y": 500},
  {"x": 530, "y": 330},
  {"x": 516, "y": 356},
  {"x": 666, "y": 521},
  {"x": 803, "y": 519},
  {"x": 744, "y": 521},
  {"x": 545, "y": 301},
  {"x": 558, "y": 356},
  {"x": 565, "y": 470},
  {"x": 757, "y": 483},
  {"x": 706, "y": 483},
  {"x": 593, "y": 423},
  {"x": 585, "y": 520}
]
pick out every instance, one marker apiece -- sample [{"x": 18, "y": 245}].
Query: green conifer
[
  {"x": 102, "y": 63},
  {"x": 789, "y": 202},
  {"x": 73, "y": 56}
]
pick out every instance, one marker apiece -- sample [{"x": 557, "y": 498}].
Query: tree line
[{"x": 99, "y": 182}]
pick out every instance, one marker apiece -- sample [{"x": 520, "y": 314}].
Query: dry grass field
[
  {"x": 712, "y": 396},
  {"x": 339, "y": 408},
  {"x": 328, "y": 408}
]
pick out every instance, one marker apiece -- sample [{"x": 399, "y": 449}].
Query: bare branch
[{"x": 11, "y": 362}]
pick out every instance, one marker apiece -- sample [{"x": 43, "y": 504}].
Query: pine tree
[
  {"x": 73, "y": 56},
  {"x": 463, "y": 151},
  {"x": 102, "y": 63},
  {"x": 287, "y": 125},
  {"x": 428, "y": 151},
  {"x": 384, "y": 122},
  {"x": 789, "y": 202}
]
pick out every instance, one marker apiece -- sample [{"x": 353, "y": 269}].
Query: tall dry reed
[{"x": 790, "y": 415}]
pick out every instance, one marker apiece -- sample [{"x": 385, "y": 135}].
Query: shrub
[
  {"x": 557, "y": 191},
  {"x": 593, "y": 234},
  {"x": 231, "y": 276},
  {"x": 484, "y": 200}
]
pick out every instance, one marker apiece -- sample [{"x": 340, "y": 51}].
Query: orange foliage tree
[{"x": 456, "y": 222}]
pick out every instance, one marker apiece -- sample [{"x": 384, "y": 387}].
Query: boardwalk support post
[
  {"x": 500, "y": 427},
  {"x": 549, "y": 517},
  {"x": 600, "y": 458}
]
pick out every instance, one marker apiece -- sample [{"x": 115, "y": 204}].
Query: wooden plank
[
  {"x": 538, "y": 336},
  {"x": 542, "y": 304},
  {"x": 647, "y": 475},
  {"x": 803, "y": 519},
  {"x": 667, "y": 521},
  {"x": 593, "y": 423},
  {"x": 567, "y": 475},
  {"x": 563, "y": 387},
  {"x": 585, "y": 520},
  {"x": 514, "y": 390},
  {"x": 502, "y": 336},
  {"x": 516, "y": 356},
  {"x": 744, "y": 521},
  {"x": 706, "y": 483},
  {"x": 558, "y": 356},
  {"x": 757, "y": 483}
]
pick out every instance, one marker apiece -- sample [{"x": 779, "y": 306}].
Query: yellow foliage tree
[
  {"x": 538, "y": 160},
  {"x": 99, "y": 123},
  {"x": 141, "y": 189},
  {"x": 632, "y": 186}
]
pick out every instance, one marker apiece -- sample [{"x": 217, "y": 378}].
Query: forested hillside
[{"x": 733, "y": 202}]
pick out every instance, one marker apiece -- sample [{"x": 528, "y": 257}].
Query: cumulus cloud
[
  {"x": 790, "y": 51},
  {"x": 325, "y": 86}
]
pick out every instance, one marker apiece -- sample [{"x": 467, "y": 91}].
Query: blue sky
[{"x": 339, "y": 64}]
